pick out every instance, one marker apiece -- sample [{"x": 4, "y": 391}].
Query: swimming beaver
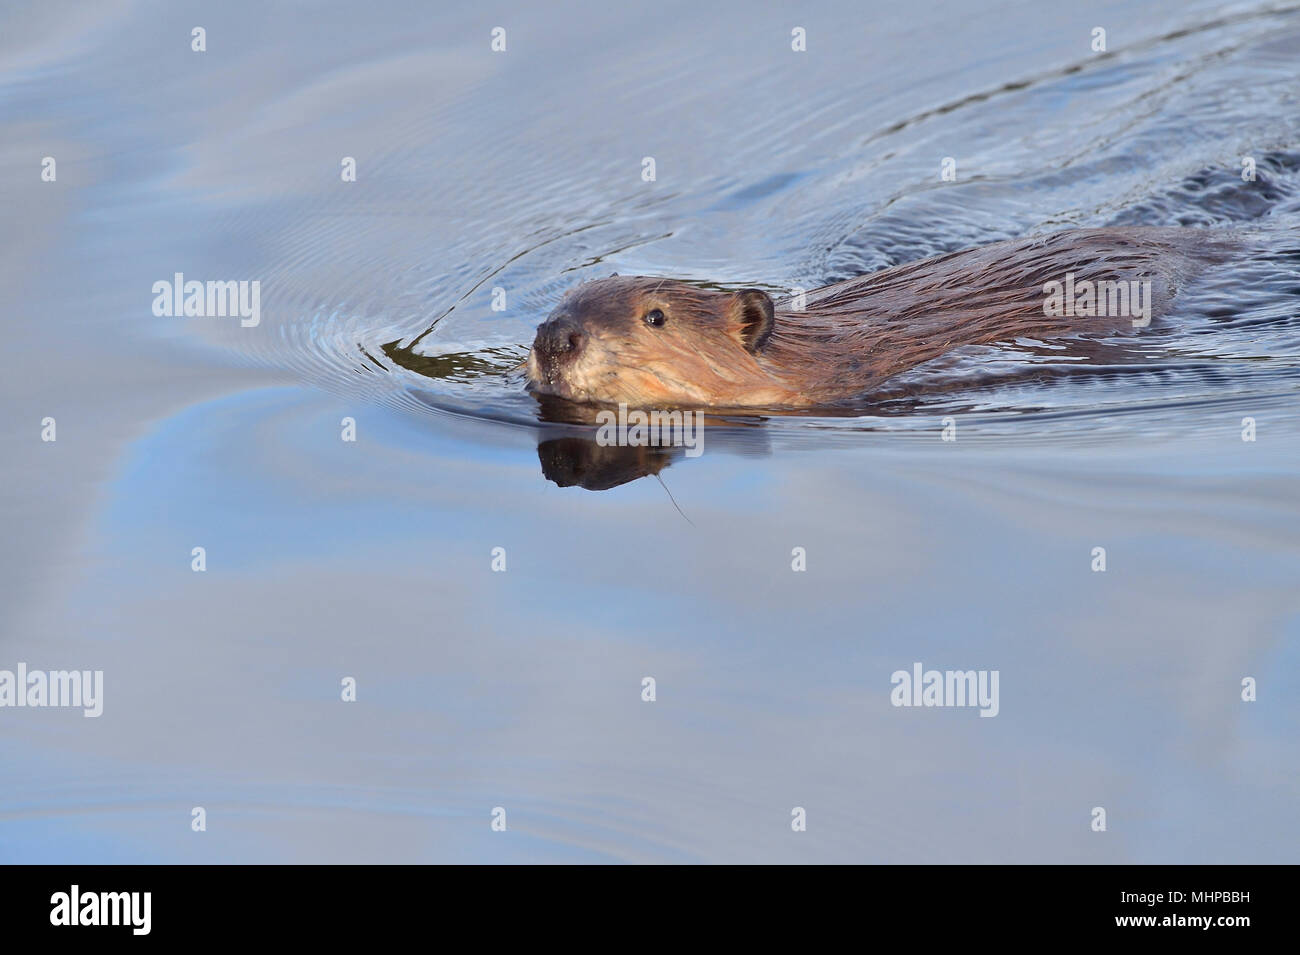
[{"x": 653, "y": 343}]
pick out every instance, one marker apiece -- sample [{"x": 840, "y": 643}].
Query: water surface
[{"x": 373, "y": 559}]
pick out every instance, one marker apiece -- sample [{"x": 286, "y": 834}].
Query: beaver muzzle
[
  {"x": 559, "y": 339},
  {"x": 558, "y": 343}
]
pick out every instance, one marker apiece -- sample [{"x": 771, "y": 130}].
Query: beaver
[{"x": 656, "y": 342}]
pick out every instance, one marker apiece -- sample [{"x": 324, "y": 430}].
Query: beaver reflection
[{"x": 581, "y": 462}]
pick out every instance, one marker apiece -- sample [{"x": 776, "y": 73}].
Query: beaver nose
[{"x": 559, "y": 336}]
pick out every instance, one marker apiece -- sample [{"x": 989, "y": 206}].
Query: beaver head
[{"x": 651, "y": 342}]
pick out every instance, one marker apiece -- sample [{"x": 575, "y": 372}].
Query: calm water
[{"x": 372, "y": 559}]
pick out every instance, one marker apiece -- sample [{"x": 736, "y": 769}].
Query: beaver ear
[{"x": 754, "y": 317}]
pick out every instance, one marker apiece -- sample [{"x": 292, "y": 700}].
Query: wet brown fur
[{"x": 854, "y": 335}]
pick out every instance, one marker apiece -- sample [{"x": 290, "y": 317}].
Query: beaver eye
[{"x": 654, "y": 318}]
